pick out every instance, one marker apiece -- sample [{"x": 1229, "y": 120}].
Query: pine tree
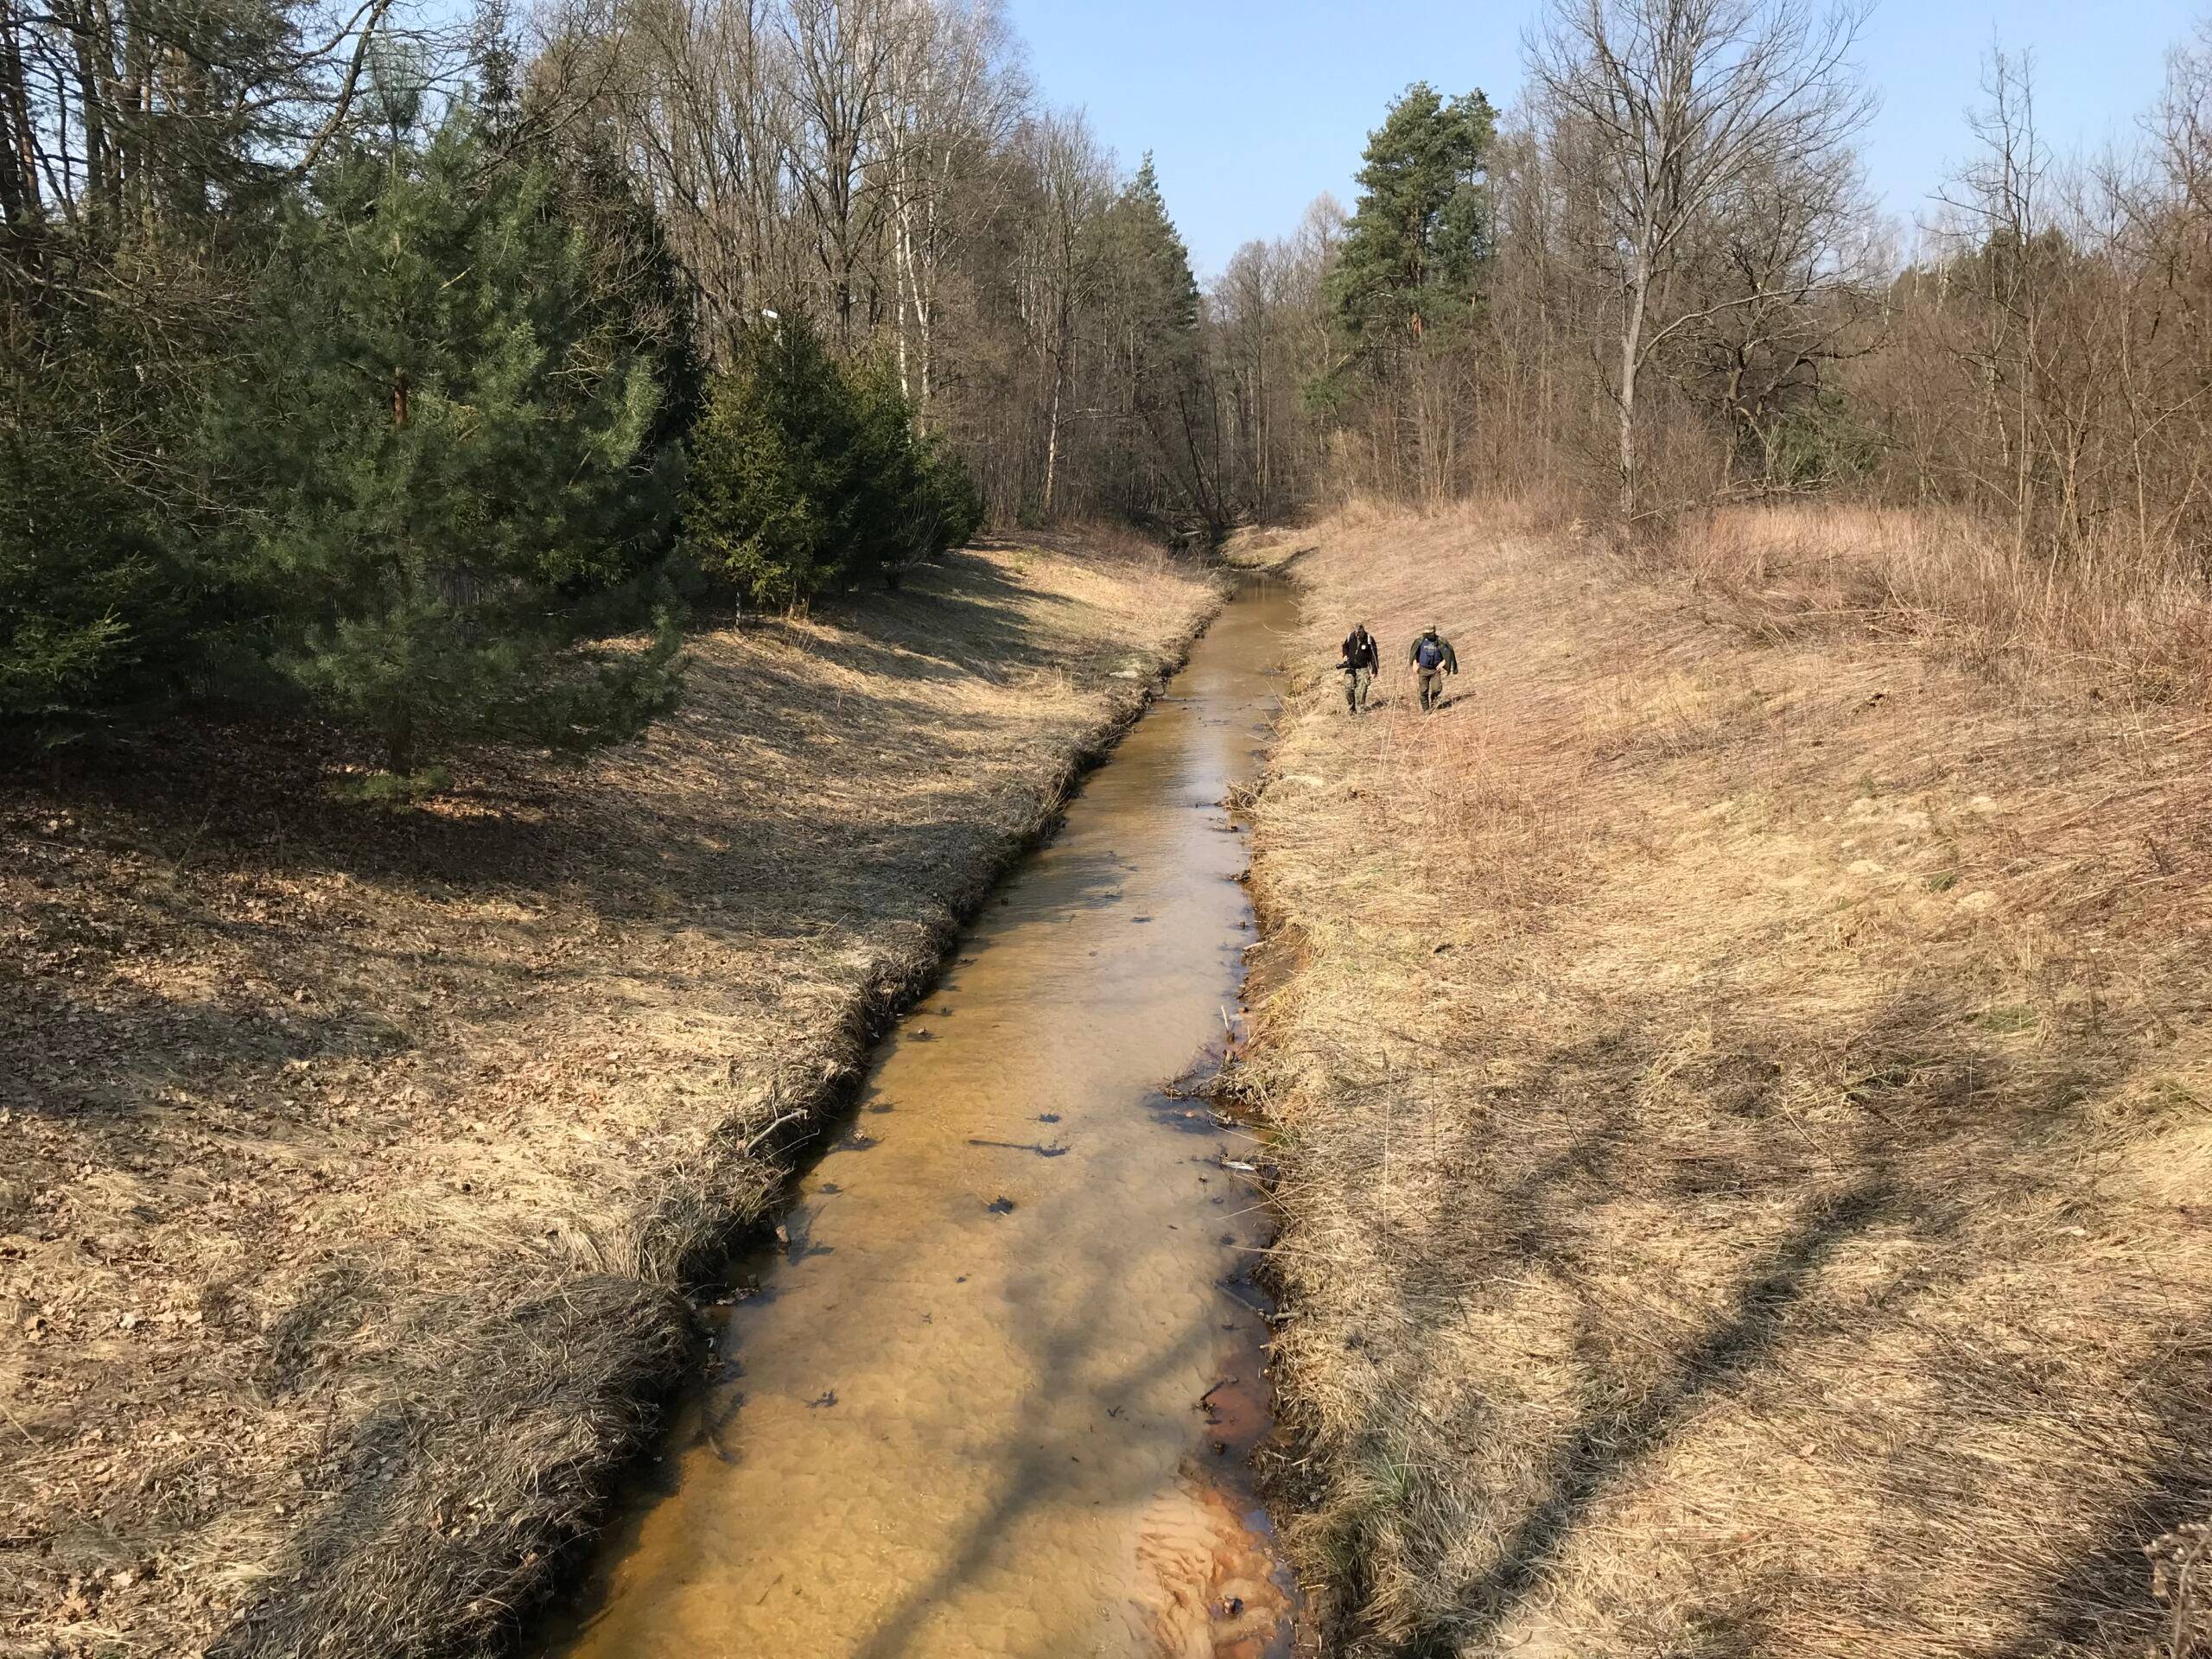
[
  {"x": 1412, "y": 253},
  {"x": 1154, "y": 317},
  {"x": 452, "y": 442},
  {"x": 807, "y": 475}
]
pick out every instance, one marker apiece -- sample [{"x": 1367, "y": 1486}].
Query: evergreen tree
[
  {"x": 915, "y": 499},
  {"x": 650, "y": 302},
  {"x": 807, "y": 476},
  {"x": 452, "y": 442},
  {"x": 769, "y": 510},
  {"x": 85, "y": 584},
  {"x": 1412, "y": 253},
  {"x": 1154, "y": 264},
  {"x": 1154, "y": 319},
  {"x": 106, "y": 596}
]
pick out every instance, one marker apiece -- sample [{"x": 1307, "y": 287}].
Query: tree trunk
[
  {"x": 1631, "y": 360},
  {"x": 1052, "y": 440}
]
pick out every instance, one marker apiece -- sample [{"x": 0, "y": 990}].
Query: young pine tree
[
  {"x": 452, "y": 439},
  {"x": 773, "y": 508}
]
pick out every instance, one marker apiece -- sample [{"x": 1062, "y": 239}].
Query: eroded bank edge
[{"x": 629, "y": 1341}]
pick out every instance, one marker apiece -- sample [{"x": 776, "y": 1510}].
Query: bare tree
[
  {"x": 1270, "y": 341},
  {"x": 878, "y": 163},
  {"x": 952, "y": 103},
  {"x": 1779, "y": 279},
  {"x": 1076, "y": 186},
  {"x": 123, "y": 120},
  {"x": 841, "y": 56},
  {"x": 1661, "y": 109}
]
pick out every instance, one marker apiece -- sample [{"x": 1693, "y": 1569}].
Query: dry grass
[
  {"x": 1747, "y": 1117},
  {"x": 356, "y": 1164},
  {"x": 2113, "y": 617}
]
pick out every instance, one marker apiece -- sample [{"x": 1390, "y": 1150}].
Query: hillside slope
[
  {"x": 354, "y": 1164},
  {"x": 1746, "y": 1116}
]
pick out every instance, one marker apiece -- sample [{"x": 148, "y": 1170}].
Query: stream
[{"x": 993, "y": 1388}]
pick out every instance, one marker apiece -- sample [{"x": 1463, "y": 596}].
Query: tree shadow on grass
[
  {"x": 1607, "y": 1446},
  {"x": 305, "y": 928},
  {"x": 1928, "y": 1125}
]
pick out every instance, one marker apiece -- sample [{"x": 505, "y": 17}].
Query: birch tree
[
  {"x": 952, "y": 103},
  {"x": 1075, "y": 186}
]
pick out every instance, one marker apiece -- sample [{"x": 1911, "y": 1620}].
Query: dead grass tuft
[
  {"x": 1744, "y": 1122},
  {"x": 2108, "y": 618},
  {"x": 358, "y": 1160}
]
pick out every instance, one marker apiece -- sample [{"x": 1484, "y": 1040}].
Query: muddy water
[{"x": 990, "y": 1393}]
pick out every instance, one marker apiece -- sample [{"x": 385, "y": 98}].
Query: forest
[
  {"x": 390, "y": 376},
  {"x": 398, "y": 379}
]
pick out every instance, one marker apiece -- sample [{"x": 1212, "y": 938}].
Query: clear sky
[{"x": 1254, "y": 107}]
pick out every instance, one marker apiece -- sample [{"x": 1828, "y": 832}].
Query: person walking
[
  {"x": 1361, "y": 661},
  {"x": 1432, "y": 658}
]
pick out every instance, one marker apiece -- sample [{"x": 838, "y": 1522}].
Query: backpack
[{"x": 1429, "y": 653}]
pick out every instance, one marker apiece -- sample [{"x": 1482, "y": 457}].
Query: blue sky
[{"x": 1253, "y": 107}]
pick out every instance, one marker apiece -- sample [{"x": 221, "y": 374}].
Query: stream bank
[
  {"x": 398, "y": 1137},
  {"x": 995, "y": 1386},
  {"x": 1741, "y": 1095}
]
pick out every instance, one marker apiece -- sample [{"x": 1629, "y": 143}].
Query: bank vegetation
[
  {"x": 359, "y": 1172},
  {"x": 1741, "y": 1093},
  {"x": 1742, "y": 1110}
]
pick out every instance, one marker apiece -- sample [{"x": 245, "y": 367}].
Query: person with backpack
[
  {"x": 1362, "y": 662},
  {"x": 1432, "y": 658}
]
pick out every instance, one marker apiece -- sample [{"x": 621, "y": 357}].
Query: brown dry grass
[
  {"x": 1747, "y": 1115},
  {"x": 355, "y": 1166},
  {"x": 2113, "y": 616}
]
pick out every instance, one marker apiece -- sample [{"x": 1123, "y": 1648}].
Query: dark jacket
[
  {"x": 1450, "y": 663},
  {"x": 1360, "y": 651}
]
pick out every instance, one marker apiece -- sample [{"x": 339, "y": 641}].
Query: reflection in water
[{"x": 994, "y": 1394}]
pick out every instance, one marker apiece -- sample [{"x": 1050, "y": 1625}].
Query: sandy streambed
[{"x": 991, "y": 1390}]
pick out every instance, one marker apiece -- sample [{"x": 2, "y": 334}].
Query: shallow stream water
[{"x": 992, "y": 1391}]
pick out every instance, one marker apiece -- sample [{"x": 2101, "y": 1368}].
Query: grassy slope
[
  {"x": 1747, "y": 1107},
  {"x": 354, "y": 1167}
]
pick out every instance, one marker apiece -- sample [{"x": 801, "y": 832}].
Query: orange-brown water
[{"x": 990, "y": 1393}]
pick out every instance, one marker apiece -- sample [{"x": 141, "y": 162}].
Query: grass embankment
[
  {"x": 1746, "y": 1103},
  {"x": 356, "y": 1166}
]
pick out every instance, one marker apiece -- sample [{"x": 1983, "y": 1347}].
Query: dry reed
[{"x": 2116, "y": 616}]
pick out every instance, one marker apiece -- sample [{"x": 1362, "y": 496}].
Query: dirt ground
[
  {"x": 355, "y": 1163},
  {"x": 1745, "y": 1104}
]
